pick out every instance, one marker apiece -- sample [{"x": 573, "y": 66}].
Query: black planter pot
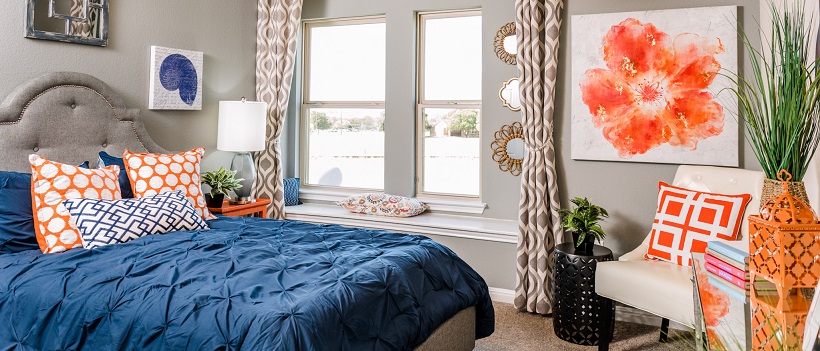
[
  {"x": 215, "y": 201},
  {"x": 586, "y": 245}
]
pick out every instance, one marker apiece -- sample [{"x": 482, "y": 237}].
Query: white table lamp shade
[{"x": 241, "y": 126}]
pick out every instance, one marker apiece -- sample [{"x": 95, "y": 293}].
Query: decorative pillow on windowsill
[
  {"x": 291, "y": 191},
  {"x": 687, "y": 219},
  {"x": 383, "y": 205},
  {"x": 102, "y": 222}
]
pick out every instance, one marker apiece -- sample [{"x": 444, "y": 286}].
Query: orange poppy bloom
[{"x": 654, "y": 89}]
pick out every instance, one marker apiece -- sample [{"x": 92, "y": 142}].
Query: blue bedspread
[{"x": 246, "y": 284}]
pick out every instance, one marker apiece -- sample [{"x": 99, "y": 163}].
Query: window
[
  {"x": 449, "y": 104},
  {"x": 342, "y": 139}
]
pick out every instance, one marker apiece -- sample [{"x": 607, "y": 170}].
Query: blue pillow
[
  {"x": 105, "y": 222},
  {"x": 16, "y": 219},
  {"x": 125, "y": 184},
  {"x": 291, "y": 191}
]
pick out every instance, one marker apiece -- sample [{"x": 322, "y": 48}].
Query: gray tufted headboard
[{"x": 67, "y": 117}]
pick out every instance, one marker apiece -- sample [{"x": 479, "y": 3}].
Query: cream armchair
[{"x": 663, "y": 288}]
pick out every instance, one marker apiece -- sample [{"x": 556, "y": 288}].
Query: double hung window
[
  {"x": 448, "y": 116},
  {"x": 342, "y": 138}
]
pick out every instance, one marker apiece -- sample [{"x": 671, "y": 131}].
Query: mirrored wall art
[
  {"x": 506, "y": 43},
  {"x": 70, "y": 21},
  {"x": 510, "y": 95},
  {"x": 509, "y": 147}
]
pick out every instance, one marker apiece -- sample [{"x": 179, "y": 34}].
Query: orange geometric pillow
[
  {"x": 687, "y": 219},
  {"x": 54, "y": 182},
  {"x": 151, "y": 174}
]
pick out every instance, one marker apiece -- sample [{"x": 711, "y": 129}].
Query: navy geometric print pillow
[
  {"x": 105, "y": 222},
  {"x": 292, "y": 191}
]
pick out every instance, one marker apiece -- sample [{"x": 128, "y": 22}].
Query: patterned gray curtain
[
  {"x": 276, "y": 30},
  {"x": 537, "y": 25}
]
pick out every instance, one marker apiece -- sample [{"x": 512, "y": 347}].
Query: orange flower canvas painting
[{"x": 645, "y": 86}]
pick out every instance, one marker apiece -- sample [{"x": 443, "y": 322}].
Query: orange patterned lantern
[{"x": 784, "y": 246}]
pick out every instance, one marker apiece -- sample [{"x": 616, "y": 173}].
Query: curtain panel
[
  {"x": 277, "y": 27},
  {"x": 537, "y": 25}
]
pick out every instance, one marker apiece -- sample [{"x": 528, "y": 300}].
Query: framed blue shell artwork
[{"x": 176, "y": 79}]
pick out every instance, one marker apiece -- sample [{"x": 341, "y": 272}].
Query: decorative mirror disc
[
  {"x": 509, "y": 148},
  {"x": 510, "y": 95},
  {"x": 506, "y": 44},
  {"x": 515, "y": 148}
]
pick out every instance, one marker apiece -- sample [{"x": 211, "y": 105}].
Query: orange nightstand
[{"x": 256, "y": 208}]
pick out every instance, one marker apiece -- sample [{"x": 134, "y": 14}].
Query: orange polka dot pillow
[
  {"x": 54, "y": 182},
  {"x": 151, "y": 174},
  {"x": 687, "y": 219}
]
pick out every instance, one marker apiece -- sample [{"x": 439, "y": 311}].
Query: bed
[{"x": 244, "y": 284}]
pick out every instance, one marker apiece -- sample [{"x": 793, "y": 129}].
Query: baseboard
[
  {"x": 622, "y": 312},
  {"x": 502, "y": 295},
  {"x": 630, "y": 314}
]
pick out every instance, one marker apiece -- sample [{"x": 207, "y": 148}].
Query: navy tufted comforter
[{"x": 246, "y": 284}]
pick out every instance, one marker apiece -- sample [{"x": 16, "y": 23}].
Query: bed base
[{"x": 456, "y": 334}]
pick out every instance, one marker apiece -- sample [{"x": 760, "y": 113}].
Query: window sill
[
  {"x": 477, "y": 228},
  {"x": 436, "y": 204}
]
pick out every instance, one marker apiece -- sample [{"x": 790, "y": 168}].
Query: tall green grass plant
[{"x": 779, "y": 101}]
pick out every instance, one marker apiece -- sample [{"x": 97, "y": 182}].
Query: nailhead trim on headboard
[{"x": 113, "y": 109}]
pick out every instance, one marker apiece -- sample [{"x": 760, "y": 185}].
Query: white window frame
[
  {"x": 308, "y": 104},
  {"x": 422, "y": 103}
]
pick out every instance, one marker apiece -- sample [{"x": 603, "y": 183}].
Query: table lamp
[{"x": 241, "y": 129}]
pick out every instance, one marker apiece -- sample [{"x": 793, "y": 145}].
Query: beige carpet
[{"x": 521, "y": 331}]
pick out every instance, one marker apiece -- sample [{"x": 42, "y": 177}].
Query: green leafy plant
[
  {"x": 583, "y": 218},
  {"x": 221, "y": 181},
  {"x": 780, "y": 101}
]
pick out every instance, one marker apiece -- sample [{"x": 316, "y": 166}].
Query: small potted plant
[
  {"x": 221, "y": 182},
  {"x": 582, "y": 221}
]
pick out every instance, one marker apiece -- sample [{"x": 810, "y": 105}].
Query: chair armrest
[{"x": 637, "y": 253}]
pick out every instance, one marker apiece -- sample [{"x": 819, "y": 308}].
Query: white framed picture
[{"x": 176, "y": 79}]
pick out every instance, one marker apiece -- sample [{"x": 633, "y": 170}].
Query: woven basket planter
[{"x": 774, "y": 188}]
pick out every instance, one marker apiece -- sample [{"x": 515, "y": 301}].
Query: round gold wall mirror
[
  {"x": 508, "y": 148},
  {"x": 510, "y": 95},
  {"x": 506, "y": 43}
]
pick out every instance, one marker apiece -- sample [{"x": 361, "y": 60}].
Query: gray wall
[
  {"x": 225, "y": 31},
  {"x": 628, "y": 190}
]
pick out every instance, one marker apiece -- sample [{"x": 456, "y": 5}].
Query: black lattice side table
[{"x": 580, "y": 316}]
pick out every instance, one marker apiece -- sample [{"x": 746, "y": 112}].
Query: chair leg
[
  {"x": 607, "y": 326},
  {"x": 664, "y": 330}
]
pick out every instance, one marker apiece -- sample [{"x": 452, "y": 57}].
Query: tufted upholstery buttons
[
  {"x": 36, "y": 149},
  {"x": 73, "y": 106},
  {"x": 105, "y": 145}
]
